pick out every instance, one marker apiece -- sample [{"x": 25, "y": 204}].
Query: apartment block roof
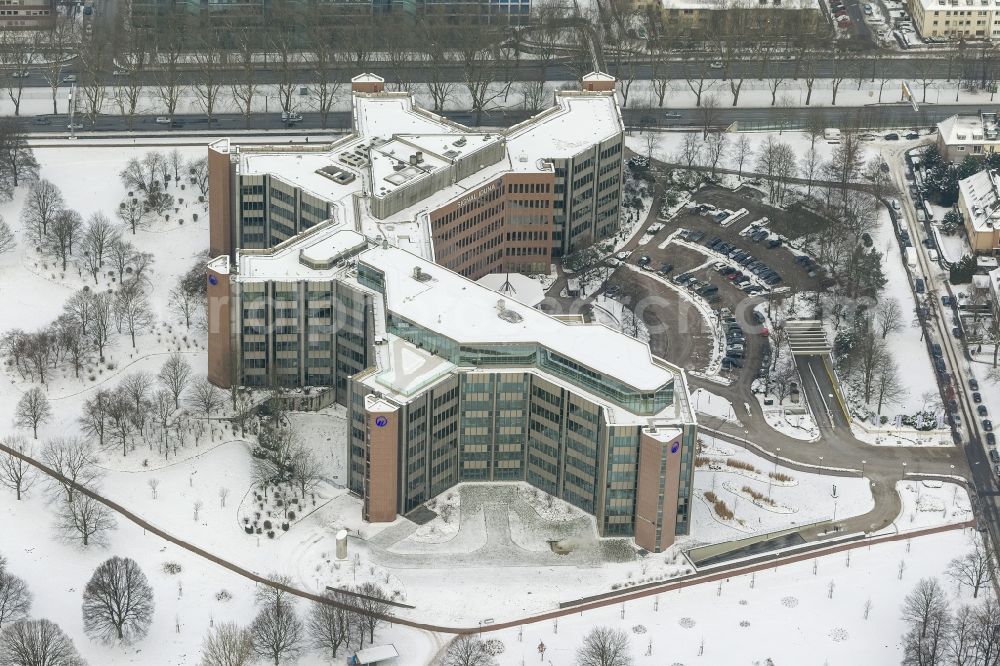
[
  {"x": 966, "y": 129},
  {"x": 981, "y": 194}
]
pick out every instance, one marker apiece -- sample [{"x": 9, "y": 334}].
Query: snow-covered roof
[
  {"x": 598, "y": 76},
  {"x": 317, "y": 256},
  {"x": 466, "y": 312},
  {"x": 981, "y": 194},
  {"x": 969, "y": 129},
  {"x": 516, "y": 286},
  {"x": 367, "y": 78},
  {"x": 376, "y": 654},
  {"x": 389, "y": 131}
]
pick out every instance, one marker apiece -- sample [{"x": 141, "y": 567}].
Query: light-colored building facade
[
  {"x": 979, "y": 205},
  {"x": 710, "y": 17},
  {"x": 968, "y": 134},
  {"x": 27, "y": 14},
  {"x": 351, "y": 267},
  {"x": 954, "y": 19}
]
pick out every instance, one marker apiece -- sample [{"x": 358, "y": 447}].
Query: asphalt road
[
  {"x": 681, "y": 66},
  {"x": 893, "y": 116}
]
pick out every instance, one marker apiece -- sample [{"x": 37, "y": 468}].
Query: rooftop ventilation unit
[
  {"x": 419, "y": 275},
  {"x": 507, "y": 315},
  {"x": 336, "y": 174},
  {"x": 461, "y": 142}
]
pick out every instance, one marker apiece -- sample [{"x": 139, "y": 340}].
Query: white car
[
  {"x": 671, "y": 114},
  {"x": 715, "y": 65},
  {"x": 69, "y": 78},
  {"x": 19, "y": 75},
  {"x": 623, "y": 255},
  {"x": 291, "y": 117},
  {"x": 162, "y": 120},
  {"x": 74, "y": 126}
]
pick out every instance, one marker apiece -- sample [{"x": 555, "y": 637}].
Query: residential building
[
  {"x": 956, "y": 19},
  {"x": 27, "y": 14},
  {"x": 350, "y": 266},
  {"x": 709, "y": 17},
  {"x": 979, "y": 205},
  {"x": 968, "y": 134}
]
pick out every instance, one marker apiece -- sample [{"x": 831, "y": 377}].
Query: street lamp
[
  {"x": 821, "y": 465},
  {"x": 863, "y": 468}
]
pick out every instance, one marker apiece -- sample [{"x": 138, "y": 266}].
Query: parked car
[
  {"x": 291, "y": 117},
  {"x": 991, "y": 439},
  {"x": 946, "y": 300},
  {"x": 987, "y": 425},
  {"x": 981, "y": 410},
  {"x": 715, "y": 65},
  {"x": 919, "y": 285},
  {"x": 730, "y": 363},
  {"x": 912, "y": 135},
  {"x": 671, "y": 114},
  {"x": 974, "y": 384},
  {"x": 977, "y": 397},
  {"x": 162, "y": 120},
  {"x": 892, "y": 136},
  {"x": 644, "y": 260}
]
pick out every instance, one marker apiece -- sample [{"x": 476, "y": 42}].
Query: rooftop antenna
[{"x": 507, "y": 287}]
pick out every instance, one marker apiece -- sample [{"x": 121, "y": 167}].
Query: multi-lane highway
[
  {"x": 896, "y": 115},
  {"x": 561, "y": 69}
]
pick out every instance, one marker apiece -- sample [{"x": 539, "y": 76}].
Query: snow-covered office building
[{"x": 350, "y": 267}]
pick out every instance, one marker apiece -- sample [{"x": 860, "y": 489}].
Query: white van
[{"x": 831, "y": 134}]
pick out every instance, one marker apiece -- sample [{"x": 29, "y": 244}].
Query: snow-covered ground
[
  {"x": 706, "y": 402},
  {"x": 809, "y": 496},
  {"x": 787, "y": 614},
  {"x": 906, "y": 344},
  {"x": 187, "y": 604},
  {"x": 668, "y": 146},
  {"x": 931, "y": 503}
]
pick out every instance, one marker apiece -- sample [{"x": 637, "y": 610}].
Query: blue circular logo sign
[
  {"x": 676, "y": 447},
  {"x": 381, "y": 421},
  {"x": 212, "y": 280}
]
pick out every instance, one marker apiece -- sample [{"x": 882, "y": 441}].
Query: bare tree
[
  {"x": 199, "y": 173},
  {"x": 206, "y": 397},
  {"x": 117, "y": 602},
  {"x": 84, "y": 520},
  {"x": 94, "y": 419},
  {"x": 37, "y": 643},
  {"x": 64, "y": 231},
  {"x": 120, "y": 413},
  {"x": 277, "y": 631},
  {"x": 888, "y": 316},
  {"x": 373, "y": 606},
  {"x": 184, "y": 304},
  {"x": 97, "y": 239},
  {"x": 134, "y": 54},
  {"x": 94, "y": 54},
  {"x": 170, "y": 44},
  {"x": 228, "y": 645},
  {"x": 926, "y": 601},
  {"x": 306, "y": 469},
  {"x": 325, "y": 83},
  {"x": 17, "y": 53},
  {"x": 16, "y": 473},
  {"x": 604, "y": 646},
  {"x": 466, "y": 650},
  {"x": 132, "y": 310},
  {"x": 101, "y": 329},
  {"x": 695, "y": 75},
  {"x": 330, "y": 627},
  {"x": 15, "y": 598},
  {"x": 974, "y": 569},
  {"x": 889, "y": 386},
  {"x": 744, "y": 151},
  {"x": 210, "y": 58},
  {"x": 133, "y": 213},
  {"x": 33, "y": 409},
  {"x": 121, "y": 253},
  {"x": 55, "y": 44},
  {"x": 7, "y": 241},
  {"x": 709, "y": 112},
  {"x": 40, "y": 208},
  {"x": 73, "y": 459},
  {"x": 717, "y": 144},
  {"x": 810, "y": 164},
  {"x": 175, "y": 375}
]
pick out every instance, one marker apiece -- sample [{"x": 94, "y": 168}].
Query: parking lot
[{"x": 724, "y": 266}]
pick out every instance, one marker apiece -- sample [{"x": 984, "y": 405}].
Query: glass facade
[{"x": 538, "y": 356}]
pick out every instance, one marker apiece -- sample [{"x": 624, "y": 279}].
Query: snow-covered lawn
[
  {"x": 787, "y": 614},
  {"x": 906, "y": 344},
  {"x": 706, "y": 402},
  {"x": 931, "y": 503},
  {"x": 809, "y": 496},
  {"x": 187, "y": 603},
  {"x": 668, "y": 146}
]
